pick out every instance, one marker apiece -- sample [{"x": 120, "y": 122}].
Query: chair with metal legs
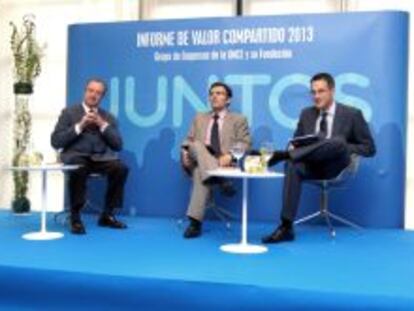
[
  {"x": 89, "y": 207},
  {"x": 212, "y": 208},
  {"x": 219, "y": 212},
  {"x": 325, "y": 186}
]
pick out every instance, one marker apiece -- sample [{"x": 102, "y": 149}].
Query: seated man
[
  {"x": 87, "y": 135},
  {"x": 341, "y": 131},
  {"x": 207, "y": 147}
]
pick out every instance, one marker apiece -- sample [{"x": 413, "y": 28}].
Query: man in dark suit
[
  {"x": 341, "y": 131},
  {"x": 88, "y": 136}
]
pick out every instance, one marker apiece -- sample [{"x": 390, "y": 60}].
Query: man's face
[
  {"x": 322, "y": 94},
  {"x": 218, "y": 98},
  {"x": 93, "y": 94}
]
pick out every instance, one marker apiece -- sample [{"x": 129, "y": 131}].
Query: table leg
[
  {"x": 244, "y": 247},
  {"x": 244, "y": 212},
  {"x": 43, "y": 234},
  {"x": 44, "y": 202}
]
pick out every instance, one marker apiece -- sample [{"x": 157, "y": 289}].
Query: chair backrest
[
  {"x": 346, "y": 174},
  {"x": 95, "y": 175},
  {"x": 349, "y": 171}
]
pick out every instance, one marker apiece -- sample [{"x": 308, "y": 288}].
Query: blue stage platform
[{"x": 151, "y": 267}]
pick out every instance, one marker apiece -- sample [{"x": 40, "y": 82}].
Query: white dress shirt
[
  {"x": 220, "y": 121},
  {"x": 330, "y": 114},
  {"x": 87, "y": 109}
]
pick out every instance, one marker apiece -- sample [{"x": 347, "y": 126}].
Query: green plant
[
  {"x": 27, "y": 55},
  {"x": 22, "y": 129}
]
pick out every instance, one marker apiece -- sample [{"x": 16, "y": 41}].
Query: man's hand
[
  {"x": 92, "y": 118},
  {"x": 225, "y": 160},
  {"x": 185, "y": 159},
  {"x": 99, "y": 121},
  {"x": 87, "y": 119}
]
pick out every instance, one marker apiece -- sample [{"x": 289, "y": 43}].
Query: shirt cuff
[
  {"x": 77, "y": 129},
  {"x": 103, "y": 127}
]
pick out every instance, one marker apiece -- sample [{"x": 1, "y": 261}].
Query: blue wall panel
[{"x": 155, "y": 92}]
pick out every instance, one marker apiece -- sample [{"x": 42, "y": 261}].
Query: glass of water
[
  {"x": 237, "y": 150},
  {"x": 266, "y": 152}
]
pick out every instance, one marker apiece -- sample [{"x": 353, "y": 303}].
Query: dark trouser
[
  {"x": 322, "y": 160},
  {"x": 116, "y": 173}
]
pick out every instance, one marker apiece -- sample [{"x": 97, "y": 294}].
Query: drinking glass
[
  {"x": 237, "y": 150},
  {"x": 266, "y": 151}
]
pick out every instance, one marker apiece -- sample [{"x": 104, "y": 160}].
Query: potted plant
[{"x": 27, "y": 55}]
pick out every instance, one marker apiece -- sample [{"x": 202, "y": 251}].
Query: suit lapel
[
  {"x": 80, "y": 111},
  {"x": 204, "y": 126},
  {"x": 337, "y": 122},
  {"x": 312, "y": 121},
  {"x": 226, "y": 132}
]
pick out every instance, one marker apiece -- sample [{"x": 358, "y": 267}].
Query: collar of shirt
[
  {"x": 330, "y": 113},
  {"x": 88, "y": 109},
  {"x": 220, "y": 121},
  {"x": 221, "y": 114}
]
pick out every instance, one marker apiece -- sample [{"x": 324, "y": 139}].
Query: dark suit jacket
[
  {"x": 91, "y": 142},
  {"x": 348, "y": 124}
]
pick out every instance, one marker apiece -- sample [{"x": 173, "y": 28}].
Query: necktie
[
  {"x": 215, "y": 136},
  {"x": 323, "y": 125},
  {"x": 92, "y": 127}
]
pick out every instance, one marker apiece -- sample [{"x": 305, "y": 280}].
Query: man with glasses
[{"x": 326, "y": 135}]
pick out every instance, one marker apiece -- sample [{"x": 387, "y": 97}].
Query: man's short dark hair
[
  {"x": 225, "y": 86},
  {"x": 325, "y": 77},
  {"x": 99, "y": 80}
]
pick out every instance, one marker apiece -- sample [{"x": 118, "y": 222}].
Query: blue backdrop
[{"x": 159, "y": 72}]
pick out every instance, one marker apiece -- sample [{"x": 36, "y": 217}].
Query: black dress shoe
[
  {"x": 278, "y": 156},
  {"x": 281, "y": 234},
  {"x": 193, "y": 230},
  {"x": 254, "y": 152},
  {"x": 77, "y": 227},
  {"x": 111, "y": 222}
]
